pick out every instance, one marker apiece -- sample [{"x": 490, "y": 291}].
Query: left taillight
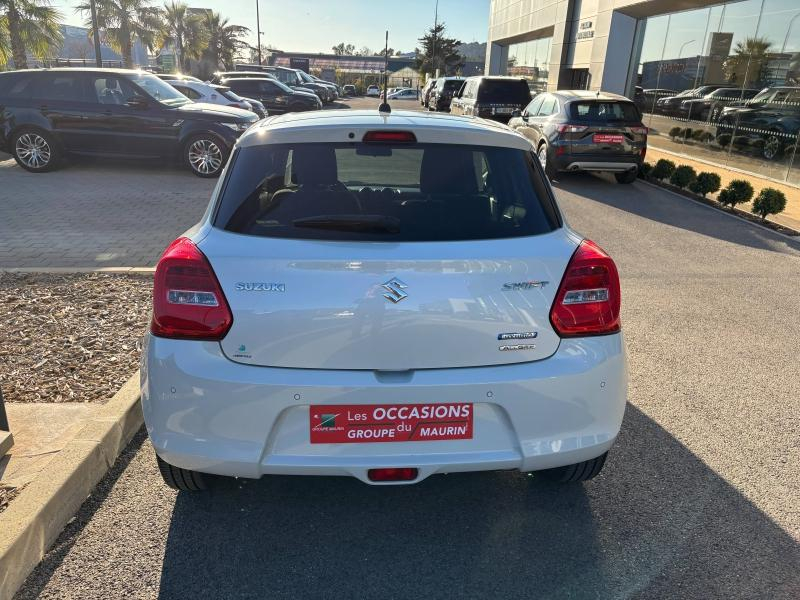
[
  {"x": 571, "y": 128},
  {"x": 588, "y": 299},
  {"x": 188, "y": 302}
]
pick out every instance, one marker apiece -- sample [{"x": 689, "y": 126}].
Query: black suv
[
  {"x": 491, "y": 97},
  {"x": 584, "y": 131},
  {"x": 46, "y": 114},
  {"x": 770, "y": 120},
  {"x": 443, "y": 91},
  {"x": 276, "y": 97}
]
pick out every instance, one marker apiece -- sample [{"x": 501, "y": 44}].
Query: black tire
[
  {"x": 582, "y": 471},
  {"x": 35, "y": 150},
  {"x": 181, "y": 479},
  {"x": 773, "y": 145},
  {"x": 544, "y": 159},
  {"x": 205, "y": 155},
  {"x": 627, "y": 176}
]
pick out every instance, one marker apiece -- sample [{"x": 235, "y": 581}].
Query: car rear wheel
[
  {"x": 626, "y": 177},
  {"x": 544, "y": 160},
  {"x": 181, "y": 479},
  {"x": 35, "y": 151},
  {"x": 205, "y": 155},
  {"x": 582, "y": 471},
  {"x": 773, "y": 145}
]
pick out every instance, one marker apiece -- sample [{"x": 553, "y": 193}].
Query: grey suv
[{"x": 584, "y": 131}]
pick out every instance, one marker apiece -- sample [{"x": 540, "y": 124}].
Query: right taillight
[
  {"x": 588, "y": 299},
  {"x": 188, "y": 302}
]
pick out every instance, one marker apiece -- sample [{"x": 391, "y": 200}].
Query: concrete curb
[
  {"x": 6, "y": 442},
  {"x": 721, "y": 211},
  {"x": 36, "y": 517},
  {"x": 67, "y": 270}
]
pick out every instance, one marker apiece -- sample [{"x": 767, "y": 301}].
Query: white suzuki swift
[{"x": 387, "y": 297}]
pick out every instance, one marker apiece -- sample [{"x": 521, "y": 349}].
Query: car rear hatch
[
  {"x": 417, "y": 273},
  {"x": 604, "y": 128},
  {"x": 499, "y": 98}
]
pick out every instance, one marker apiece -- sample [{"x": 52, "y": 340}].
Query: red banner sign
[
  {"x": 607, "y": 138},
  {"x": 360, "y": 423}
]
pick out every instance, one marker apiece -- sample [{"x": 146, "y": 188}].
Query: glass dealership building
[{"x": 741, "y": 58}]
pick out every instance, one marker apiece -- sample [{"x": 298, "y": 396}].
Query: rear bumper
[
  {"x": 206, "y": 413},
  {"x": 615, "y": 163}
]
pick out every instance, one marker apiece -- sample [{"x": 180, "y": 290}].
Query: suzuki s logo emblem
[{"x": 395, "y": 288}]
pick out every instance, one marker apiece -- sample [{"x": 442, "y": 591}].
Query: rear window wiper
[{"x": 362, "y": 223}]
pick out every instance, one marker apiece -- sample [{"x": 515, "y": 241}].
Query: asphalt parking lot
[
  {"x": 698, "y": 499},
  {"x": 95, "y": 213}
]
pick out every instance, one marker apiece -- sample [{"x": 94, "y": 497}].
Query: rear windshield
[
  {"x": 504, "y": 91},
  {"x": 453, "y": 84},
  {"x": 377, "y": 192},
  {"x": 597, "y": 110}
]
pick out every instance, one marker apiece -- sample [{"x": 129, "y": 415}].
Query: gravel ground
[
  {"x": 70, "y": 338},
  {"x": 698, "y": 499}
]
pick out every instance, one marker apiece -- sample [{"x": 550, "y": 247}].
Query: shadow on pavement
[
  {"x": 658, "y": 205},
  {"x": 658, "y": 523}
]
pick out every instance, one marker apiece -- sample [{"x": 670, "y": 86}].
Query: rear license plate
[
  {"x": 503, "y": 111},
  {"x": 607, "y": 138},
  {"x": 360, "y": 423}
]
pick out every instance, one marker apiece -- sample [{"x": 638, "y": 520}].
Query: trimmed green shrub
[
  {"x": 676, "y": 132},
  {"x": 736, "y": 192},
  {"x": 683, "y": 176},
  {"x": 705, "y": 183},
  {"x": 724, "y": 139},
  {"x": 663, "y": 170},
  {"x": 698, "y": 134},
  {"x": 769, "y": 202},
  {"x": 645, "y": 170},
  {"x": 706, "y": 137}
]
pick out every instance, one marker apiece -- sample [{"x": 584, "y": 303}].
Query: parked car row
[{"x": 48, "y": 114}]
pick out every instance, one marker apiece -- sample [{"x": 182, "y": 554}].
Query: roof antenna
[{"x": 384, "y": 107}]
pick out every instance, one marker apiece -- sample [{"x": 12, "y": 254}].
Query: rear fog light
[{"x": 401, "y": 474}]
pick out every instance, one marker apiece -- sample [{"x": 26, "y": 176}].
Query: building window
[
  {"x": 722, "y": 84},
  {"x": 530, "y": 60}
]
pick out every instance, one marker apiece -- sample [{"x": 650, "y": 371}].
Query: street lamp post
[
  {"x": 788, "y": 31},
  {"x": 96, "y": 35},
  {"x": 683, "y": 46},
  {"x": 435, "y": 25},
  {"x": 258, "y": 33}
]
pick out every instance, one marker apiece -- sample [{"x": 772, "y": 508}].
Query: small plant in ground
[
  {"x": 705, "y": 183},
  {"x": 683, "y": 176},
  {"x": 663, "y": 169},
  {"x": 676, "y": 132},
  {"x": 707, "y": 137},
  {"x": 698, "y": 135},
  {"x": 736, "y": 192},
  {"x": 645, "y": 170},
  {"x": 769, "y": 202}
]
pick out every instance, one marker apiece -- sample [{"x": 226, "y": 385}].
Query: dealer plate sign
[{"x": 360, "y": 423}]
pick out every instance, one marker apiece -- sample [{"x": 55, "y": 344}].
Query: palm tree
[
  {"x": 122, "y": 21},
  {"x": 186, "y": 30},
  {"x": 28, "y": 26},
  {"x": 224, "y": 40},
  {"x": 747, "y": 63}
]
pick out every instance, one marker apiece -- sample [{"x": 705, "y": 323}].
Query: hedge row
[{"x": 768, "y": 202}]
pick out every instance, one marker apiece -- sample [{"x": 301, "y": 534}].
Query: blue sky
[{"x": 316, "y": 25}]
